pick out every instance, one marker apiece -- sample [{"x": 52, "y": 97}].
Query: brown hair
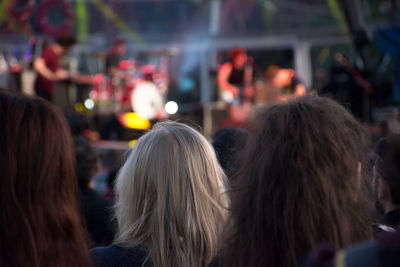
[
  {"x": 39, "y": 221},
  {"x": 299, "y": 185},
  {"x": 66, "y": 40},
  {"x": 387, "y": 164}
]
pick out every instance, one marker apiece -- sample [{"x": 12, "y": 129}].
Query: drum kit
[{"x": 143, "y": 91}]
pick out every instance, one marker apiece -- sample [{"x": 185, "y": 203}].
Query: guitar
[
  {"x": 239, "y": 107},
  {"x": 81, "y": 79},
  {"x": 245, "y": 94}
]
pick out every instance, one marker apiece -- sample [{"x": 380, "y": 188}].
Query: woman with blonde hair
[{"x": 170, "y": 203}]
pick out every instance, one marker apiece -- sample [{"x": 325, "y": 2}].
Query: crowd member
[
  {"x": 39, "y": 219},
  {"x": 385, "y": 251},
  {"x": 228, "y": 144},
  {"x": 387, "y": 180},
  {"x": 110, "y": 192},
  {"x": 96, "y": 211},
  {"x": 287, "y": 81},
  {"x": 299, "y": 185},
  {"x": 48, "y": 66},
  {"x": 111, "y": 161},
  {"x": 170, "y": 203}
]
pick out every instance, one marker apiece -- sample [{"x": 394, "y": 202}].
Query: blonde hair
[{"x": 171, "y": 197}]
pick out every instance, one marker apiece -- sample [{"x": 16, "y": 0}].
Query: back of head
[
  {"x": 39, "y": 223},
  {"x": 299, "y": 185},
  {"x": 234, "y": 53},
  {"x": 86, "y": 160},
  {"x": 66, "y": 40},
  {"x": 169, "y": 197},
  {"x": 228, "y": 143},
  {"x": 388, "y": 164},
  {"x": 119, "y": 41}
]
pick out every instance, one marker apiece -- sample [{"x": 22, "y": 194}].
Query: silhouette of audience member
[
  {"x": 97, "y": 212},
  {"x": 385, "y": 251},
  {"x": 387, "y": 180},
  {"x": 229, "y": 144}
]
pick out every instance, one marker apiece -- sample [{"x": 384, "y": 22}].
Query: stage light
[
  {"x": 98, "y": 78},
  {"x": 79, "y": 107},
  {"x": 124, "y": 64},
  {"x": 132, "y": 143},
  {"x": 133, "y": 121},
  {"x": 89, "y": 103},
  {"x": 186, "y": 84},
  {"x": 171, "y": 107}
]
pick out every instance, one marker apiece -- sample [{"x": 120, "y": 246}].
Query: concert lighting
[
  {"x": 132, "y": 120},
  {"x": 171, "y": 107},
  {"x": 89, "y": 103},
  {"x": 132, "y": 143},
  {"x": 79, "y": 107}
]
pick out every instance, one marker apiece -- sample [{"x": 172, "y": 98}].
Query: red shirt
[{"x": 52, "y": 62}]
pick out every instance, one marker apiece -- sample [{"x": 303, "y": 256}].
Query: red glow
[
  {"x": 148, "y": 69},
  {"x": 16, "y": 68},
  {"x": 124, "y": 64},
  {"x": 98, "y": 78}
]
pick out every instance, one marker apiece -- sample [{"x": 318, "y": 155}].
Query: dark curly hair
[
  {"x": 299, "y": 185},
  {"x": 388, "y": 164}
]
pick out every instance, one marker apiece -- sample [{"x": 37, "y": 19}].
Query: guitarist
[
  {"x": 235, "y": 81},
  {"x": 48, "y": 66}
]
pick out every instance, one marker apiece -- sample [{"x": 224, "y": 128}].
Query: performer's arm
[
  {"x": 248, "y": 75},
  {"x": 248, "y": 81},
  {"x": 300, "y": 90},
  {"x": 222, "y": 80},
  {"x": 42, "y": 69}
]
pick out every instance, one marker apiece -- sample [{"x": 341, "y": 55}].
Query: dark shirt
[
  {"x": 116, "y": 256},
  {"x": 52, "y": 62},
  {"x": 365, "y": 254},
  {"x": 97, "y": 213},
  {"x": 237, "y": 77},
  {"x": 112, "y": 60},
  {"x": 392, "y": 218},
  {"x": 384, "y": 252}
]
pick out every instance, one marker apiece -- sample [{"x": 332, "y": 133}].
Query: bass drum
[{"x": 147, "y": 101}]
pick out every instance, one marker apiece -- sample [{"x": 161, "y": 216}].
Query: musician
[
  {"x": 235, "y": 82},
  {"x": 48, "y": 66},
  {"x": 235, "y": 77},
  {"x": 113, "y": 58},
  {"x": 287, "y": 81}
]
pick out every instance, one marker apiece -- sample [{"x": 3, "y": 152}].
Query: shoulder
[
  {"x": 214, "y": 262},
  {"x": 115, "y": 255},
  {"x": 226, "y": 67},
  {"x": 364, "y": 254},
  {"x": 48, "y": 52}
]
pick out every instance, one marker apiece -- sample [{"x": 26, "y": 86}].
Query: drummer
[{"x": 113, "y": 58}]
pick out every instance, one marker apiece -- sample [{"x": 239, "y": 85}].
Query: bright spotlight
[
  {"x": 171, "y": 107},
  {"x": 89, "y": 103}
]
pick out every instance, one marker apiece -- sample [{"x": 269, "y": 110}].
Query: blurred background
[{"x": 347, "y": 49}]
